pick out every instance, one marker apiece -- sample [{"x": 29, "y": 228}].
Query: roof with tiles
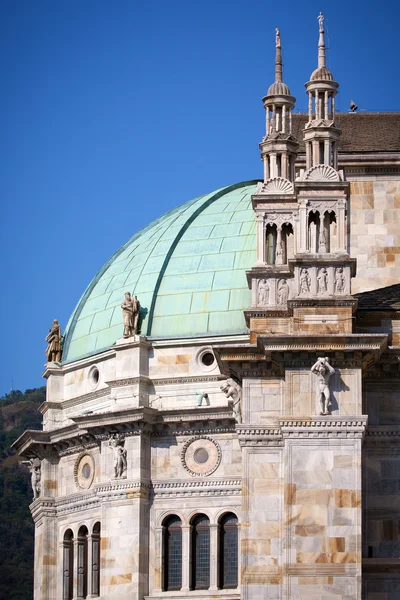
[
  {"x": 188, "y": 270},
  {"x": 387, "y": 298},
  {"x": 361, "y": 132}
]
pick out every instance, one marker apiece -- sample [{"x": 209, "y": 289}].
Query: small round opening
[
  {"x": 207, "y": 359},
  {"x": 94, "y": 376},
  {"x": 201, "y": 456},
  {"x": 86, "y": 471}
]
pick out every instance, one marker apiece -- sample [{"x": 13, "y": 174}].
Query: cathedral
[{"x": 223, "y": 411}]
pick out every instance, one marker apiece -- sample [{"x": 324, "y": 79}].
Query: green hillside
[{"x": 18, "y": 411}]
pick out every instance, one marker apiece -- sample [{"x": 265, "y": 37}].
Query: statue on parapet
[
  {"x": 130, "y": 311},
  {"x": 233, "y": 390},
  {"x": 323, "y": 370},
  {"x": 36, "y": 475},
  {"x": 116, "y": 442},
  {"x": 53, "y": 339}
]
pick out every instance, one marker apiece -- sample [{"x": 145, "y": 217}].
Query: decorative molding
[
  {"x": 321, "y": 173},
  {"x": 276, "y": 185},
  {"x": 183, "y": 380},
  {"x": 84, "y": 470},
  {"x": 212, "y": 456},
  {"x": 180, "y": 489}
]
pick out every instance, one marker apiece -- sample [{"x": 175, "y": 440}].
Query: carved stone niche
[
  {"x": 322, "y": 281},
  {"x": 272, "y": 291}
]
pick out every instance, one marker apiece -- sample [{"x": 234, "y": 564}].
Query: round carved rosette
[
  {"x": 201, "y": 456},
  {"x": 84, "y": 471}
]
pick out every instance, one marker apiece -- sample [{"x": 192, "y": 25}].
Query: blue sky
[{"x": 112, "y": 113}]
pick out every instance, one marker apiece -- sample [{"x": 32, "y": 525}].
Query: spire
[
  {"x": 321, "y": 42},
  {"x": 278, "y": 57}
]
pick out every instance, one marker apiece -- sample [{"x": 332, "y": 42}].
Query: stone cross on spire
[
  {"x": 321, "y": 42},
  {"x": 278, "y": 58}
]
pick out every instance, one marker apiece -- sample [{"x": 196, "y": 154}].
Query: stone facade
[{"x": 239, "y": 466}]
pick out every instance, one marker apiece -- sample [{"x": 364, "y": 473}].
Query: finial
[
  {"x": 278, "y": 59},
  {"x": 321, "y": 42}
]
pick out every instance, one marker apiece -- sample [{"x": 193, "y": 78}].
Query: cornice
[{"x": 196, "y": 488}]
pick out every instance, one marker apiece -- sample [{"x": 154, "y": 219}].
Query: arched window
[
  {"x": 68, "y": 565},
  {"x": 200, "y": 571},
  {"x": 96, "y": 560},
  {"x": 172, "y": 553},
  {"x": 271, "y": 244},
  {"x": 228, "y": 551},
  {"x": 82, "y": 550}
]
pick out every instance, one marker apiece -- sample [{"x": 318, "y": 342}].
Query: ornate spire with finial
[
  {"x": 321, "y": 42},
  {"x": 278, "y": 57}
]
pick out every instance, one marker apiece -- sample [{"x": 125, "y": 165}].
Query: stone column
[
  {"x": 260, "y": 238},
  {"x": 274, "y": 167},
  {"x": 315, "y": 152},
  {"x": 213, "y": 557},
  {"x": 266, "y": 167},
  {"x": 308, "y": 154},
  {"x": 284, "y": 166},
  {"x": 341, "y": 226},
  {"x": 75, "y": 569},
  {"x": 326, "y": 105},
  {"x": 279, "y": 249},
  {"x": 327, "y": 158},
  {"x": 267, "y": 121},
  {"x": 89, "y": 565},
  {"x": 95, "y": 565},
  {"x": 186, "y": 558},
  {"x": 310, "y": 111},
  {"x": 284, "y": 119}
]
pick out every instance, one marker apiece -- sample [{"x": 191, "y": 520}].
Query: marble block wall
[{"x": 375, "y": 233}]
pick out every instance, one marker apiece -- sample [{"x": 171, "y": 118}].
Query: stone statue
[
  {"x": 277, "y": 38},
  {"x": 323, "y": 370},
  {"x": 305, "y": 282},
  {"x": 130, "y": 311},
  {"x": 120, "y": 464},
  {"x": 233, "y": 390},
  {"x": 339, "y": 281},
  {"x": 263, "y": 292},
  {"x": 53, "y": 339},
  {"x": 321, "y": 21},
  {"x": 283, "y": 292},
  {"x": 322, "y": 281},
  {"x": 35, "y": 467}
]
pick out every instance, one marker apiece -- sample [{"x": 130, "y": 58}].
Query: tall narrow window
[
  {"x": 96, "y": 560},
  {"x": 271, "y": 244},
  {"x": 68, "y": 565},
  {"x": 82, "y": 551},
  {"x": 172, "y": 551},
  {"x": 200, "y": 553},
  {"x": 228, "y": 552}
]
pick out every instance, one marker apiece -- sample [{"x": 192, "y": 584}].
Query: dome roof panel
[{"x": 187, "y": 269}]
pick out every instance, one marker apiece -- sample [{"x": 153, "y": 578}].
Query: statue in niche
[
  {"x": 339, "y": 281},
  {"x": 120, "y": 464},
  {"x": 322, "y": 280},
  {"x": 53, "y": 339},
  {"x": 322, "y": 241},
  {"x": 283, "y": 292},
  {"x": 130, "y": 311},
  {"x": 35, "y": 467},
  {"x": 323, "y": 370},
  {"x": 305, "y": 282},
  {"x": 263, "y": 292},
  {"x": 233, "y": 390}
]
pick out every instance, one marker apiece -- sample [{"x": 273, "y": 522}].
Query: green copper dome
[{"x": 187, "y": 268}]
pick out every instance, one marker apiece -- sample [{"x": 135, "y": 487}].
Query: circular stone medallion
[
  {"x": 84, "y": 471},
  {"x": 201, "y": 456}
]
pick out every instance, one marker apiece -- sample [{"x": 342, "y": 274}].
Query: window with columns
[
  {"x": 213, "y": 551},
  {"x": 228, "y": 551},
  {"x": 172, "y": 552},
  {"x": 81, "y": 557},
  {"x": 68, "y": 565},
  {"x": 200, "y": 571}
]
